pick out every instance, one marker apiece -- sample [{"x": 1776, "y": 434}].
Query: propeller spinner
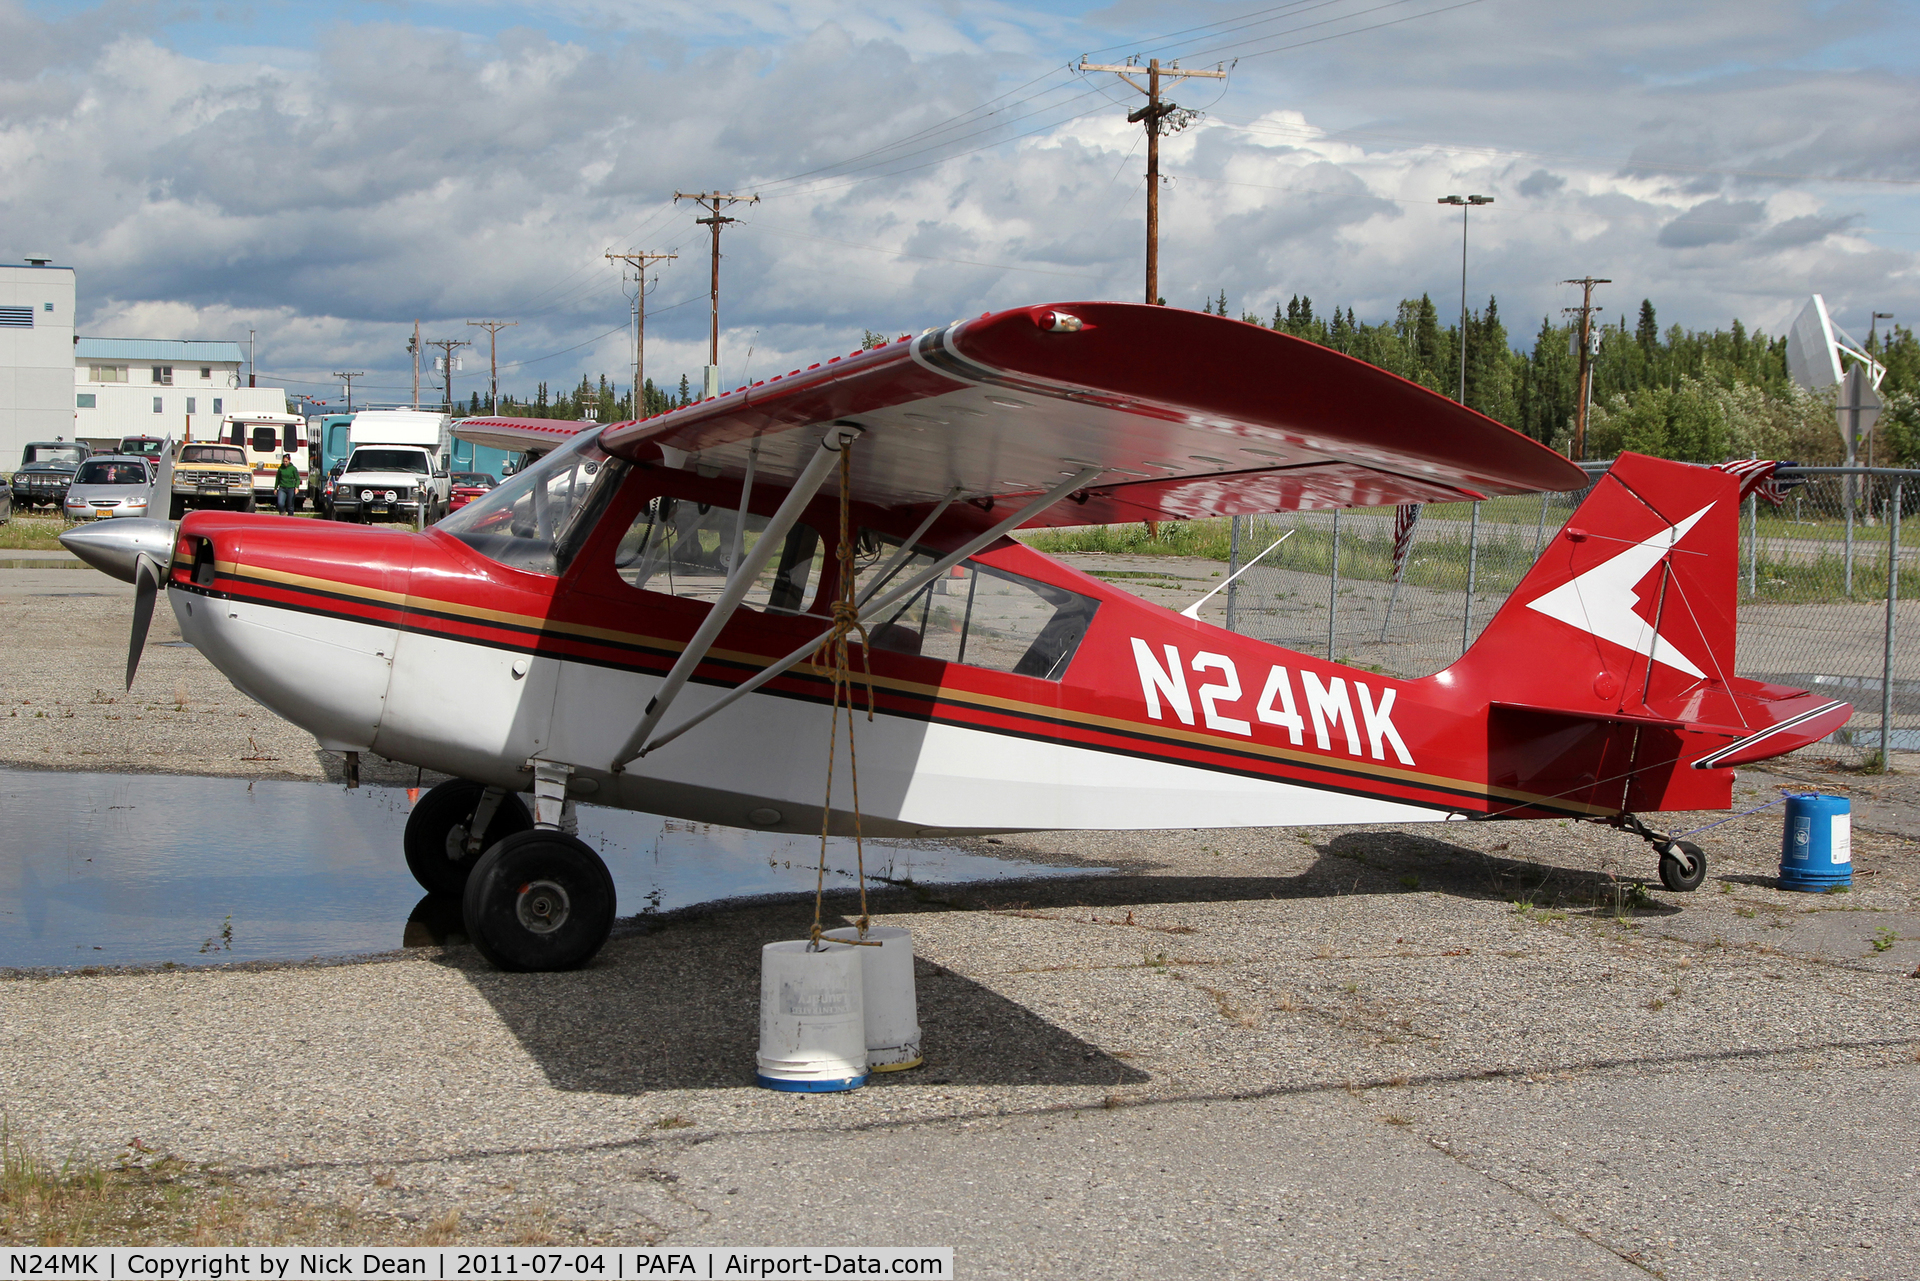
[{"x": 133, "y": 551}]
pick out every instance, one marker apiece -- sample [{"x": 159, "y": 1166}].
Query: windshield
[
  {"x": 479, "y": 478},
  {"x": 213, "y": 454},
  {"x": 408, "y": 460},
  {"x": 537, "y": 520},
  {"x": 147, "y": 448},
  {"x": 54, "y": 454},
  {"x": 100, "y": 473}
]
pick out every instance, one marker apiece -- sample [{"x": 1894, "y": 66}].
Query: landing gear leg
[
  {"x": 1683, "y": 865},
  {"x": 452, "y": 825},
  {"x": 541, "y": 899}
]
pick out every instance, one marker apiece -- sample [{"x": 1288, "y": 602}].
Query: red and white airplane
[{"x": 630, "y": 620}]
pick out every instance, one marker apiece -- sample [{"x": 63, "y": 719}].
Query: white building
[
  {"x": 36, "y": 356},
  {"x": 161, "y": 387}
]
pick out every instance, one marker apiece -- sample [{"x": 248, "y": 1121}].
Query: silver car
[{"x": 109, "y": 485}]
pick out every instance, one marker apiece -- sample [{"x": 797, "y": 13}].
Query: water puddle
[{"x": 124, "y": 869}]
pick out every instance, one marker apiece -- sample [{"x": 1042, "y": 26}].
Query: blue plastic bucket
[{"x": 1816, "y": 850}]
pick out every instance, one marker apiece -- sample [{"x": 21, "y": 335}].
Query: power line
[
  {"x": 715, "y": 221},
  {"x": 1154, "y": 117}
]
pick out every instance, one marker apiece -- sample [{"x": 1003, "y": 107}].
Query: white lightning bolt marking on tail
[{"x": 1601, "y": 601}]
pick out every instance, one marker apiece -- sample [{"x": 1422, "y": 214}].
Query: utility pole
[
  {"x": 713, "y": 202},
  {"x": 1577, "y": 451},
  {"x": 250, "y": 381},
  {"x": 449, "y": 346},
  {"x": 1151, "y": 116},
  {"x": 1465, "y": 203},
  {"x": 414, "y": 348},
  {"x": 493, "y": 328},
  {"x": 640, "y": 260},
  {"x": 348, "y": 378}
]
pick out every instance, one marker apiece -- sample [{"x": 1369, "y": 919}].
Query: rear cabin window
[
  {"x": 685, "y": 548},
  {"x": 263, "y": 440},
  {"x": 973, "y": 614}
]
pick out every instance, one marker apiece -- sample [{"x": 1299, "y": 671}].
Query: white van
[{"x": 265, "y": 437}]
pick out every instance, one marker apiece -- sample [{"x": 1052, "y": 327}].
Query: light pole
[{"x": 1465, "y": 203}]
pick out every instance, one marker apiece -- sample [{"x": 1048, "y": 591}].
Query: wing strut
[
  {"x": 804, "y": 488},
  {"x": 1078, "y": 480}
]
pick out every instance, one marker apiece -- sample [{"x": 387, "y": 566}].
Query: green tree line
[{"x": 1695, "y": 395}]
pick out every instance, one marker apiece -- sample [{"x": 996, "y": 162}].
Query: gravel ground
[{"x": 1471, "y": 1050}]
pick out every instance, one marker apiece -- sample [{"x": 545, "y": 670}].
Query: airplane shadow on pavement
[
  {"x": 675, "y": 1004},
  {"x": 672, "y": 1002}
]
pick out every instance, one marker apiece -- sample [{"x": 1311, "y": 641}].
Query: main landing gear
[
  {"x": 533, "y": 898},
  {"x": 1683, "y": 865}
]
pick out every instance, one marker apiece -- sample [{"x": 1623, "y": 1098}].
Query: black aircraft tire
[
  {"x": 437, "y": 829},
  {"x": 1674, "y": 871},
  {"x": 539, "y": 901}
]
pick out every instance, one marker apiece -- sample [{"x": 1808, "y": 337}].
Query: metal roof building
[{"x": 167, "y": 349}]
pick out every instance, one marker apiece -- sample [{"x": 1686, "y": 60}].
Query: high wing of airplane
[{"x": 632, "y": 620}]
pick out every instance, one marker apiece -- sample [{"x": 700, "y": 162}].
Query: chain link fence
[{"x": 1815, "y": 608}]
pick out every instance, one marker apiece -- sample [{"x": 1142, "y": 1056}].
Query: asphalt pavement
[{"x": 1463, "y": 1050}]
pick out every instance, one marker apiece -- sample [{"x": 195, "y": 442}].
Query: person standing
[{"x": 286, "y": 483}]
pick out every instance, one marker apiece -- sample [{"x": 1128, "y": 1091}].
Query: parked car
[
  {"x": 467, "y": 486},
  {"x": 46, "y": 469},
  {"x": 211, "y": 476},
  {"x": 109, "y": 485},
  {"x": 147, "y": 447}
]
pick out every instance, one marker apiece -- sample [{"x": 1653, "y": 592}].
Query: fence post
[
  {"x": 1473, "y": 565},
  {"x": 1886, "y": 658},
  {"x": 1753, "y": 545},
  {"x": 1848, "y": 495},
  {"x": 1540, "y": 530},
  {"x": 1233, "y": 567},
  {"x": 1333, "y": 584}
]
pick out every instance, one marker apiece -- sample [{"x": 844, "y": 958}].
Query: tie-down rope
[{"x": 833, "y": 655}]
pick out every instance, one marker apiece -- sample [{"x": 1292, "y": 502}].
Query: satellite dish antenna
[
  {"x": 1818, "y": 352},
  {"x": 1818, "y": 349}
]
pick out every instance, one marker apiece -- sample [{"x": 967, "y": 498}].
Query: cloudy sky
[{"x": 327, "y": 173}]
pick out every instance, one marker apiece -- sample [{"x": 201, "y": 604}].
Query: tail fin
[
  {"x": 1629, "y": 613},
  {"x": 1610, "y": 668}
]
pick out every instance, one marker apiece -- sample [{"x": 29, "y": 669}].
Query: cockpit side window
[{"x": 686, "y": 548}]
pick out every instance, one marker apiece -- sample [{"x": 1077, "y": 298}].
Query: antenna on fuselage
[{"x": 1193, "y": 611}]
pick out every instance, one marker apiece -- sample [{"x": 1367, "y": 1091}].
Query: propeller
[
  {"x": 149, "y": 577},
  {"x": 133, "y": 551}
]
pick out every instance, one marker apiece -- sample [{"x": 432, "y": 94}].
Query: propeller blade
[{"x": 148, "y": 579}]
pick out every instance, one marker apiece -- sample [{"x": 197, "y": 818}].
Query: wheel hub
[
  {"x": 542, "y": 906},
  {"x": 457, "y": 837}
]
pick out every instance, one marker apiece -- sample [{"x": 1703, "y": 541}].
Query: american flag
[
  {"x": 1405, "y": 517},
  {"x": 1756, "y": 477}
]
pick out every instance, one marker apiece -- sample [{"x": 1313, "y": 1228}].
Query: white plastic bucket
[
  {"x": 812, "y": 1024},
  {"x": 893, "y": 1007}
]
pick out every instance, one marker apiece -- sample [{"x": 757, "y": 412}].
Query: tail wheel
[
  {"x": 539, "y": 900},
  {"x": 1683, "y": 865},
  {"x": 436, "y": 842}
]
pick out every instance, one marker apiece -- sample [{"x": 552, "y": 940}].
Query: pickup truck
[
  {"x": 392, "y": 482},
  {"x": 211, "y": 476},
  {"x": 46, "y": 469}
]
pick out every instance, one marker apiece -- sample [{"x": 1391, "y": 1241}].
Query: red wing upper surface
[{"x": 1185, "y": 414}]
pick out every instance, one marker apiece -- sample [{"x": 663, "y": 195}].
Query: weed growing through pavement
[
  {"x": 1883, "y": 939},
  {"x": 675, "y": 1122},
  {"x": 1410, "y": 882}
]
